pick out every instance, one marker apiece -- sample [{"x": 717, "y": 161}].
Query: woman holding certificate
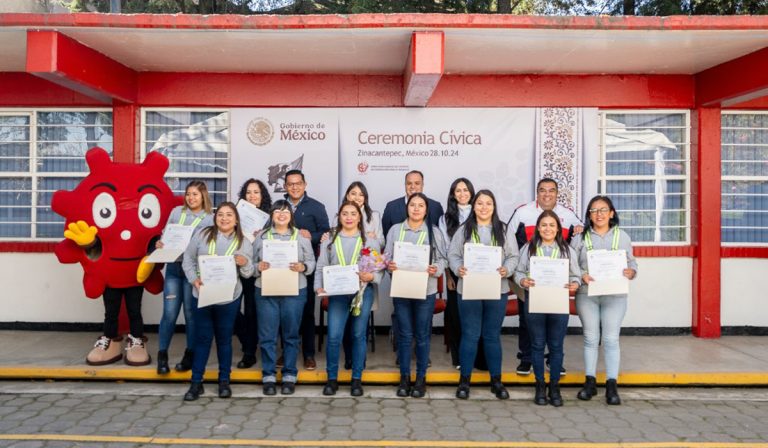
[
  {"x": 340, "y": 277},
  {"x": 418, "y": 253},
  {"x": 177, "y": 291},
  {"x": 255, "y": 193},
  {"x": 483, "y": 255},
  {"x": 212, "y": 259},
  {"x": 605, "y": 257},
  {"x": 548, "y": 271},
  {"x": 284, "y": 258}
]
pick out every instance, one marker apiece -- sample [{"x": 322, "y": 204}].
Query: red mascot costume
[{"x": 113, "y": 218}]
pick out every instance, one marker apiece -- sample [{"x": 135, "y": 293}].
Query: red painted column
[
  {"x": 424, "y": 67},
  {"x": 705, "y": 202},
  {"x": 125, "y": 132}
]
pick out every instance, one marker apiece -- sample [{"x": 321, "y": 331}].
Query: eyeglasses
[
  {"x": 602, "y": 211},
  {"x": 294, "y": 184},
  {"x": 547, "y": 190},
  {"x": 282, "y": 212}
]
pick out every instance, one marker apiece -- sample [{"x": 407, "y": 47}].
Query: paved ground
[{"x": 142, "y": 414}]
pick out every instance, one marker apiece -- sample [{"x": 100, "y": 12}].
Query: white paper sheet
[
  {"x": 411, "y": 257},
  {"x": 409, "y": 284},
  {"x": 481, "y": 286},
  {"x": 606, "y": 267},
  {"x": 252, "y": 218},
  {"x": 279, "y": 282},
  {"x": 175, "y": 240},
  {"x": 482, "y": 259},
  {"x": 548, "y": 299},
  {"x": 340, "y": 280},
  {"x": 547, "y": 271},
  {"x": 219, "y": 277},
  {"x": 280, "y": 254}
]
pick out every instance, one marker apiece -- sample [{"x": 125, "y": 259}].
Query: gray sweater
[
  {"x": 602, "y": 242},
  {"x": 439, "y": 256},
  {"x": 199, "y": 246},
  {"x": 510, "y": 253},
  {"x": 306, "y": 254},
  {"x": 328, "y": 255},
  {"x": 574, "y": 273}
]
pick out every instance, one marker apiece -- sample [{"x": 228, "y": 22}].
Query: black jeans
[
  {"x": 246, "y": 324},
  {"x": 307, "y": 328},
  {"x": 113, "y": 298},
  {"x": 452, "y": 322},
  {"x": 523, "y": 337}
]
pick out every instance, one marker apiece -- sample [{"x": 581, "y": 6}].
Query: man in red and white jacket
[{"x": 523, "y": 223}]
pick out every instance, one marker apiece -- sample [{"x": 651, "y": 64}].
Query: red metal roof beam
[
  {"x": 424, "y": 67},
  {"x": 733, "y": 82},
  {"x": 64, "y": 61}
]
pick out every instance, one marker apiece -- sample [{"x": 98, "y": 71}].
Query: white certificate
[
  {"x": 280, "y": 254},
  {"x": 409, "y": 284},
  {"x": 252, "y": 218},
  {"x": 340, "y": 280},
  {"x": 219, "y": 277},
  {"x": 547, "y": 271},
  {"x": 279, "y": 282},
  {"x": 175, "y": 241},
  {"x": 476, "y": 286},
  {"x": 482, "y": 259},
  {"x": 607, "y": 269},
  {"x": 548, "y": 299},
  {"x": 411, "y": 257}
]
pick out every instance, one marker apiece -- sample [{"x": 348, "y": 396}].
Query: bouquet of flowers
[{"x": 370, "y": 261}]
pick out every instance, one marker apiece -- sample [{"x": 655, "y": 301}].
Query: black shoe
[
  {"x": 347, "y": 364},
  {"x": 462, "y": 392},
  {"x": 247, "y": 362},
  {"x": 419, "y": 387},
  {"x": 555, "y": 399},
  {"x": 541, "y": 393},
  {"x": 498, "y": 389},
  {"x": 404, "y": 388},
  {"x": 562, "y": 368},
  {"x": 288, "y": 388},
  {"x": 224, "y": 390},
  {"x": 524, "y": 368},
  {"x": 162, "y": 363},
  {"x": 185, "y": 365},
  {"x": 612, "y": 393},
  {"x": 269, "y": 388},
  {"x": 356, "y": 388},
  {"x": 589, "y": 390},
  {"x": 194, "y": 392},
  {"x": 330, "y": 387}
]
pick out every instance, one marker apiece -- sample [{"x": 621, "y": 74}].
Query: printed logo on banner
[
  {"x": 276, "y": 173},
  {"x": 362, "y": 167},
  {"x": 260, "y": 131}
]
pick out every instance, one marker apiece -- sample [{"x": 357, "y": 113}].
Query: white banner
[{"x": 266, "y": 143}]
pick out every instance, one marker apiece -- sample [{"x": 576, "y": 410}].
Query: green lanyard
[
  {"x": 230, "y": 250},
  {"x": 476, "y": 238},
  {"x": 294, "y": 235},
  {"x": 340, "y": 251},
  {"x": 194, "y": 223},
  {"x": 614, "y": 243},
  {"x": 555, "y": 252},
  {"x": 422, "y": 235}
]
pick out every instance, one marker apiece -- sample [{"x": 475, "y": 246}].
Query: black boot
[
  {"x": 247, "y": 362},
  {"x": 462, "y": 392},
  {"x": 194, "y": 392},
  {"x": 612, "y": 393},
  {"x": 498, "y": 389},
  {"x": 162, "y": 363},
  {"x": 555, "y": 399},
  {"x": 404, "y": 388},
  {"x": 419, "y": 387},
  {"x": 331, "y": 387},
  {"x": 541, "y": 393},
  {"x": 589, "y": 390},
  {"x": 356, "y": 388},
  {"x": 185, "y": 365},
  {"x": 224, "y": 390}
]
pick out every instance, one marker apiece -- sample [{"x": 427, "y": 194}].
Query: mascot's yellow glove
[
  {"x": 81, "y": 233},
  {"x": 145, "y": 268}
]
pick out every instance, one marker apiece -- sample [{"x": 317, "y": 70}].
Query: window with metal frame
[
  {"x": 644, "y": 169},
  {"x": 744, "y": 183},
  {"x": 42, "y": 151},
  {"x": 196, "y": 142}
]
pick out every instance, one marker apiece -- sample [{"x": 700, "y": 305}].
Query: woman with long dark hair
[
  {"x": 459, "y": 207},
  {"x": 246, "y": 325},
  {"x": 547, "y": 329},
  {"x": 223, "y": 238},
  {"x": 602, "y": 314},
  {"x": 483, "y": 318}
]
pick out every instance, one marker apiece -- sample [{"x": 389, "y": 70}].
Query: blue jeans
[
  {"x": 213, "y": 320},
  {"x": 547, "y": 330},
  {"x": 338, "y": 314},
  {"x": 414, "y": 320},
  {"x": 481, "y": 319},
  {"x": 279, "y": 314},
  {"x": 606, "y": 312},
  {"x": 176, "y": 291}
]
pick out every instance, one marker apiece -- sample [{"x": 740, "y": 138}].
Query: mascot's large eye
[
  {"x": 104, "y": 210},
  {"x": 149, "y": 211}
]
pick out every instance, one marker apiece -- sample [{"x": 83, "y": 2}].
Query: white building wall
[{"x": 743, "y": 293}]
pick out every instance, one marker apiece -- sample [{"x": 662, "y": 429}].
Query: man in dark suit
[{"x": 395, "y": 211}]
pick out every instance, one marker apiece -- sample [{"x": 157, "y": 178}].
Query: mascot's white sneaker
[
  {"x": 136, "y": 352},
  {"x": 105, "y": 351}
]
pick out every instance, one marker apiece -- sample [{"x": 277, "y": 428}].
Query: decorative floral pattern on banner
[{"x": 559, "y": 152}]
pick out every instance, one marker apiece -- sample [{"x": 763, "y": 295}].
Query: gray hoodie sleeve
[
  {"x": 323, "y": 260},
  {"x": 440, "y": 258},
  {"x": 511, "y": 253},
  {"x": 306, "y": 255},
  {"x": 189, "y": 263},
  {"x": 524, "y": 262},
  {"x": 246, "y": 250},
  {"x": 456, "y": 251}
]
